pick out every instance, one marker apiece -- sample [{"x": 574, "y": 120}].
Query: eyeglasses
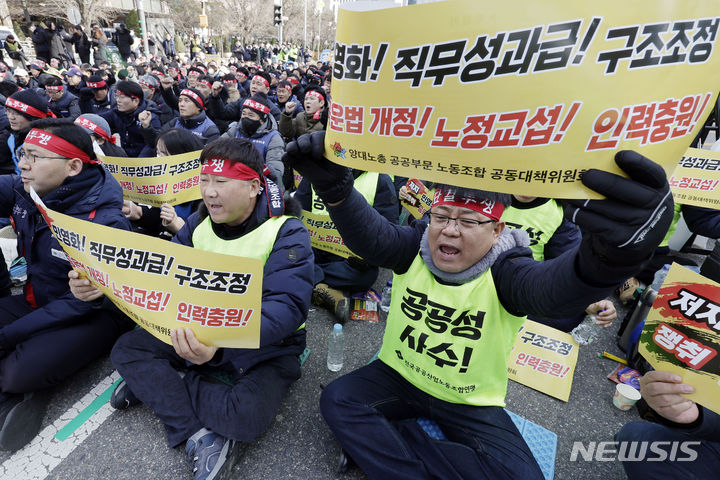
[
  {"x": 28, "y": 157},
  {"x": 438, "y": 220}
]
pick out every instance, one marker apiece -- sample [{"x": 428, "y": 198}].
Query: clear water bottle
[
  {"x": 335, "y": 349},
  {"x": 587, "y": 331},
  {"x": 386, "y": 294},
  {"x": 660, "y": 277}
]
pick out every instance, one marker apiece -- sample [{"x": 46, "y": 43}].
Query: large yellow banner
[
  {"x": 518, "y": 96},
  {"x": 682, "y": 333},
  {"x": 543, "y": 358},
  {"x": 174, "y": 179},
  {"x": 696, "y": 179},
  {"x": 162, "y": 285}
]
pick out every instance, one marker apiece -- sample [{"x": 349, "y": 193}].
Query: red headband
[
  {"x": 250, "y": 103},
  {"x": 194, "y": 96},
  {"x": 84, "y": 122},
  {"x": 25, "y": 108},
  {"x": 263, "y": 80},
  {"x": 227, "y": 82},
  {"x": 205, "y": 82},
  {"x": 54, "y": 88},
  {"x": 313, "y": 93},
  {"x": 287, "y": 87},
  {"x": 127, "y": 94},
  {"x": 492, "y": 210},
  {"x": 147, "y": 84},
  {"x": 100, "y": 84},
  {"x": 158, "y": 73},
  {"x": 47, "y": 140},
  {"x": 293, "y": 80},
  {"x": 225, "y": 168}
]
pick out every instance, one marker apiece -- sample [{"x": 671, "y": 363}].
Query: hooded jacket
[
  {"x": 92, "y": 195},
  {"x": 130, "y": 128}
]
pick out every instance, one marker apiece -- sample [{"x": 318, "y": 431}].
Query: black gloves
[
  {"x": 632, "y": 220},
  {"x": 332, "y": 182}
]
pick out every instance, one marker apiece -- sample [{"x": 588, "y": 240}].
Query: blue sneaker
[{"x": 211, "y": 455}]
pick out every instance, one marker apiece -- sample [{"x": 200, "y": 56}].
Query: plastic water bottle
[
  {"x": 587, "y": 331},
  {"x": 386, "y": 294},
  {"x": 660, "y": 277},
  {"x": 335, "y": 349}
]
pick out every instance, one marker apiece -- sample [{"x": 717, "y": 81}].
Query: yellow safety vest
[
  {"x": 540, "y": 224},
  {"x": 673, "y": 226},
  {"x": 450, "y": 341},
  {"x": 366, "y": 184},
  {"x": 256, "y": 244}
]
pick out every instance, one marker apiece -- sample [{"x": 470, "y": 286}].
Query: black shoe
[
  {"x": 344, "y": 462},
  {"x": 23, "y": 421},
  {"x": 7, "y": 403},
  {"x": 122, "y": 397}
]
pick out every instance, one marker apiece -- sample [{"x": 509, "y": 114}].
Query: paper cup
[{"x": 625, "y": 396}]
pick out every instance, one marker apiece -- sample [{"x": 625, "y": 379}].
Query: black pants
[
  {"x": 187, "y": 404},
  {"x": 48, "y": 357}
]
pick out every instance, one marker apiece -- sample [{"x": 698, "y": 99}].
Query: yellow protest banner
[
  {"x": 324, "y": 235},
  {"x": 174, "y": 179},
  {"x": 520, "y": 96},
  {"x": 162, "y": 285},
  {"x": 682, "y": 333},
  {"x": 543, "y": 358},
  {"x": 420, "y": 200},
  {"x": 696, "y": 179}
]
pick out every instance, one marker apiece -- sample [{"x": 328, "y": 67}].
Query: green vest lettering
[{"x": 450, "y": 341}]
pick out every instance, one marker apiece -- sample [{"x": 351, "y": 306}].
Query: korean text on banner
[
  {"x": 696, "y": 179},
  {"x": 174, "y": 179},
  {"x": 682, "y": 333},
  {"x": 162, "y": 285},
  {"x": 543, "y": 358},
  {"x": 521, "y": 96},
  {"x": 324, "y": 235}
]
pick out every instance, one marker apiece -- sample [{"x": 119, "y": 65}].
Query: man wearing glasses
[
  {"x": 46, "y": 334},
  {"x": 462, "y": 285}
]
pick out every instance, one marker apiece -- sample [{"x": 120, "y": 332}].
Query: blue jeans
[
  {"x": 707, "y": 464},
  {"x": 365, "y": 410}
]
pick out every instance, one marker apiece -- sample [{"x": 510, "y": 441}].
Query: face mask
[{"x": 249, "y": 125}]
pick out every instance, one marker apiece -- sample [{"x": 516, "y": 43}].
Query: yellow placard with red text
[
  {"x": 323, "y": 234},
  {"x": 421, "y": 198},
  {"x": 544, "y": 358},
  {"x": 174, "y": 179},
  {"x": 696, "y": 179},
  {"x": 521, "y": 97},
  {"x": 164, "y": 286},
  {"x": 682, "y": 333}
]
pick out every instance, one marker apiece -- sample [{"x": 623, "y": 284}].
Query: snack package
[
  {"x": 365, "y": 306},
  {"x": 626, "y": 375}
]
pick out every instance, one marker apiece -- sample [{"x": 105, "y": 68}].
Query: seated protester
[
  {"x": 236, "y": 219},
  {"x": 298, "y": 88},
  {"x": 151, "y": 89},
  {"x": 257, "y": 125},
  {"x": 679, "y": 420},
  {"x": 551, "y": 235},
  {"x": 22, "y": 77},
  {"x": 46, "y": 334},
  {"x": 166, "y": 221},
  {"x": 327, "y": 86},
  {"x": 99, "y": 131},
  {"x": 63, "y": 104},
  {"x": 125, "y": 119},
  {"x": 192, "y": 118},
  {"x": 193, "y": 74},
  {"x": 699, "y": 220},
  {"x": 75, "y": 81},
  {"x": 6, "y": 162},
  {"x": 283, "y": 96},
  {"x": 217, "y": 110},
  {"x": 97, "y": 96},
  {"x": 22, "y": 108},
  {"x": 242, "y": 75},
  {"x": 235, "y": 92},
  {"x": 313, "y": 119},
  {"x": 337, "y": 277},
  {"x": 482, "y": 275}
]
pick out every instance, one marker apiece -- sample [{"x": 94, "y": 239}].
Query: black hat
[
  {"x": 96, "y": 82},
  {"x": 130, "y": 89},
  {"x": 28, "y": 103},
  {"x": 258, "y": 103},
  {"x": 194, "y": 95}
]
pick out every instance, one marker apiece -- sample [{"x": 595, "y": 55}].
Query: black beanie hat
[
  {"x": 96, "y": 82},
  {"x": 199, "y": 96},
  {"x": 258, "y": 103},
  {"x": 130, "y": 89},
  {"x": 28, "y": 97}
]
